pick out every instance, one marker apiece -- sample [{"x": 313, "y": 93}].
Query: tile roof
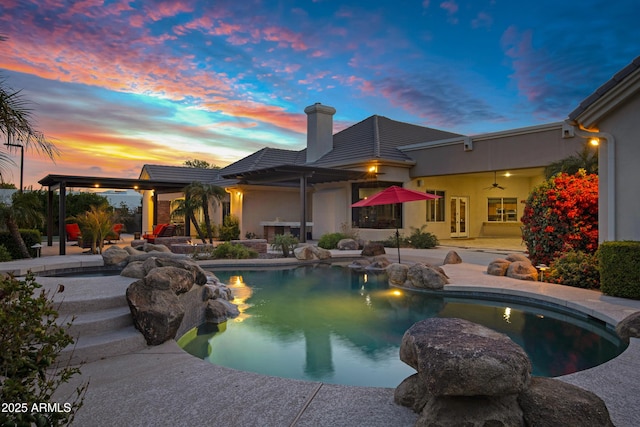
[
  {"x": 179, "y": 173},
  {"x": 377, "y": 137},
  {"x": 606, "y": 87}
]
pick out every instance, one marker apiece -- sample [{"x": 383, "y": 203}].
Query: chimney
[{"x": 319, "y": 130}]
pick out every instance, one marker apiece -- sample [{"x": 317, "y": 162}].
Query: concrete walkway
[{"x": 164, "y": 386}]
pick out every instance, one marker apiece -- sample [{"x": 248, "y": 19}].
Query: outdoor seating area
[{"x": 74, "y": 234}]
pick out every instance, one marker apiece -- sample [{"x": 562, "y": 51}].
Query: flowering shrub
[
  {"x": 576, "y": 268},
  {"x": 561, "y": 214}
]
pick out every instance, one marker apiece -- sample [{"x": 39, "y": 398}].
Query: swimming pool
[{"x": 334, "y": 325}]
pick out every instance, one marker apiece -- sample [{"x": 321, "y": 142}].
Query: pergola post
[
  {"x": 50, "y": 217},
  {"x": 62, "y": 214}
]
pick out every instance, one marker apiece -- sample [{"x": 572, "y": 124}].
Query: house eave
[{"x": 606, "y": 101}]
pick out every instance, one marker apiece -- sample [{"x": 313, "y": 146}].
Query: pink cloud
[
  {"x": 166, "y": 9},
  {"x": 450, "y": 6}
]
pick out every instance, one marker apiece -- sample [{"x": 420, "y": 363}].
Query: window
[
  {"x": 435, "y": 208},
  {"x": 382, "y": 216},
  {"x": 502, "y": 209}
]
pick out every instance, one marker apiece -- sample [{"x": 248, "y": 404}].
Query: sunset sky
[{"x": 117, "y": 84}]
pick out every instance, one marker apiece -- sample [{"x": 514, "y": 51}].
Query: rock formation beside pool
[
  {"x": 373, "y": 249},
  {"x": 418, "y": 275},
  {"x": 307, "y": 252},
  {"x": 348, "y": 245},
  {"x": 170, "y": 289},
  {"x": 516, "y": 266},
  {"x": 470, "y": 375}
]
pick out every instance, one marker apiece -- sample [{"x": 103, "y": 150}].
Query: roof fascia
[
  {"x": 609, "y": 101},
  {"x": 483, "y": 136}
]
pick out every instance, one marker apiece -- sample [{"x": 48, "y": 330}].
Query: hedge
[{"x": 619, "y": 264}]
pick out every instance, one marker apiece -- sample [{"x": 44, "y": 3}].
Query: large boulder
[
  {"x": 347, "y": 245},
  {"x": 412, "y": 392},
  {"x": 157, "y": 313},
  {"x": 629, "y": 327},
  {"x": 522, "y": 270},
  {"x": 151, "y": 247},
  {"x": 452, "y": 257},
  {"x": 551, "y": 402},
  {"x": 373, "y": 249},
  {"x": 498, "y": 267},
  {"x": 176, "y": 279},
  {"x": 220, "y": 310},
  {"x": 397, "y": 273},
  {"x": 517, "y": 257},
  {"x": 455, "y": 357},
  {"x": 115, "y": 255},
  {"x": 311, "y": 252},
  {"x": 476, "y": 411},
  {"x": 134, "y": 269},
  {"x": 426, "y": 277},
  {"x": 200, "y": 276}
]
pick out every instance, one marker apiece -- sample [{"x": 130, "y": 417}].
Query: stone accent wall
[{"x": 164, "y": 212}]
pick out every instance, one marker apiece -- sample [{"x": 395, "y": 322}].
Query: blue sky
[{"x": 122, "y": 83}]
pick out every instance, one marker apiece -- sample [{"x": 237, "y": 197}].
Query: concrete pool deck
[{"x": 164, "y": 386}]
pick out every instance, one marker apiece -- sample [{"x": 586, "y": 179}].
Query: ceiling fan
[{"x": 495, "y": 183}]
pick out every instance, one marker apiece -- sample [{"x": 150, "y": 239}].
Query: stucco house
[
  {"x": 482, "y": 178},
  {"x": 340, "y": 169}
]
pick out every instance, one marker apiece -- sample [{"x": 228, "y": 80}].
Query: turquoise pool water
[{"x": 334, "y": 325}]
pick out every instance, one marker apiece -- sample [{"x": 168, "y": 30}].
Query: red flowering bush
[{"x": 561, "y": 214}]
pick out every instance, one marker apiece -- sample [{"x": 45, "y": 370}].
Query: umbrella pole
[{"x": 398, "y": 243}]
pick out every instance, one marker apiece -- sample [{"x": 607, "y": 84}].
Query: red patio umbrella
[{"x": 394, "y": 195}]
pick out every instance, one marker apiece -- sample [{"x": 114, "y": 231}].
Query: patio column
[{"x": 50, "y": 217}]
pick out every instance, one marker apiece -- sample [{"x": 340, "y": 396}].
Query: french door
[{"x": 459, "y": 216}]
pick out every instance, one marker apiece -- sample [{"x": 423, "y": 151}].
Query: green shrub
[
  {"x": 330, "y": 240},
  {"x": 31, "y": 341},
  {"x": 5, "y": 255},
  {"x": 575, "y": 268},
  {"x": 619, "y": 264},
  {"x": 284, "y": 242},
  {"x": 229, "y": 250},
  {"x": 421, "y": 239},
  {"x": 30, "y": 237},
  {"x": 230, "y": 228}
]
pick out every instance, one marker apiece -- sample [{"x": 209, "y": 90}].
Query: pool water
[{"x": 338, "y": 326}]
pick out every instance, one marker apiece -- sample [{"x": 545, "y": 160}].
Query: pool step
[
  {"x": 90, "y": 348},
  {"x": 102, "y": 327}
]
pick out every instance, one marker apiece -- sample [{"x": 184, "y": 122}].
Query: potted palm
[{"x": 95, "y": 225}]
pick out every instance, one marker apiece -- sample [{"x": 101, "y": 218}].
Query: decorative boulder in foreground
[{"x": 470, "y": 375}]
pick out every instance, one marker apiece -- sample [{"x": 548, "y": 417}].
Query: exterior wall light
[{"x": 594, "y": 141}]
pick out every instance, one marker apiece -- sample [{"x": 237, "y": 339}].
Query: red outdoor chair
[{"x": 73, "y": 232}]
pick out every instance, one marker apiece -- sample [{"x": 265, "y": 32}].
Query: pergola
[
  {"x": 292, "y": 175},
  {"x": 61, "y": 182}
]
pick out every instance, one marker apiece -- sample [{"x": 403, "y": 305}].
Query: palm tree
[
  {"x": 198, "y": 195},
  {"x": 586, "y": 158},
  {"x": 24, "y": 211},
  {"x": 203, "y": 194}
]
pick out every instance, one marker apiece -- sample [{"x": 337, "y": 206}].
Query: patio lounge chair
[
  {"x": 168, "y": 231},
  {"x": 157, "y": 229}
]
